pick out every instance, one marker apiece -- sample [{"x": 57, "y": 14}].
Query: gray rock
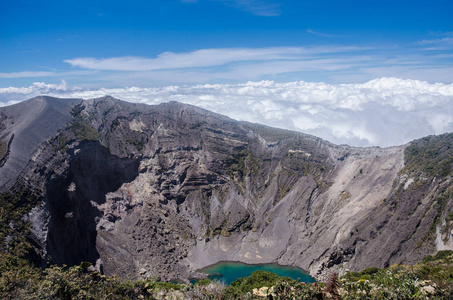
[{"x": 165, "y": 190}]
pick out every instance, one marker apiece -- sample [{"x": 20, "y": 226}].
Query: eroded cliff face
[{"x": 165, "y": 190}]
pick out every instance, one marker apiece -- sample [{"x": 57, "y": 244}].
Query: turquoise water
[{"x": 230, "y": 271}]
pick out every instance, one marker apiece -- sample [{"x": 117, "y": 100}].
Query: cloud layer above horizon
[{"x": 382, "y": 112}]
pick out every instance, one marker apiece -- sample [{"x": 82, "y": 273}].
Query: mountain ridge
[{"x": 164, "y": 190}]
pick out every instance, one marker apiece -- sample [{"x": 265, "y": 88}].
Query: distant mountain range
[{"x": 165, "y": 190}]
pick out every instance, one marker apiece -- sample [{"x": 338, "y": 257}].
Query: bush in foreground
[{"x": 431, "y": 279}]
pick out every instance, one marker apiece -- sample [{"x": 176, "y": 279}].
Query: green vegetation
[
  {"x": 283, "y": 190},
  {"x": 60, "y": 143},
  {"x": 430, "y": 279},
  {"x": 240, "y": 164},
  {"x": 432, "y": 156},
  {"x": 258, "y": 279},
  {"x": 300, "y": 161},
  {"x": 83, "y": 129},
  {"x": 138, "y": 142},
  {"x": 76, "y": 110},
  {"x": 236, "y": 164},
  {"x": 20, "y": 280},
  {"x": 13, "y": 228},
  {"x": 439, "y": 256},
  {"x": 428, "y": 160},
  {"x": 3, "y": 148},
  {"x": 115, "y": 123},
  {"x": 440, "y": 206}
]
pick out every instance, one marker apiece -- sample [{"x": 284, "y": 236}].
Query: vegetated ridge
[{"x": 164, "y": 190}]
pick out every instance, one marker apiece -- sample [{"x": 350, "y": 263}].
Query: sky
[{"x": 359, "y": 72}]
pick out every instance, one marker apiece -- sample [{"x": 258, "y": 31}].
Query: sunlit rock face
[{"x": 165, "y": 190}]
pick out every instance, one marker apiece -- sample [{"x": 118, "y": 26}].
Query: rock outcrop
[{"x": 165, "y": 190}]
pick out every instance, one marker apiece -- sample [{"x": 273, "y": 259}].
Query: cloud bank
[{"x": 382, "y": 112}]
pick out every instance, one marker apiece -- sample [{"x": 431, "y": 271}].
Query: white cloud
[
  {"x": 445, "y": 40},
  {"x": 204, "y": 58},
  {"x": 323, "y": 34},
  {"x": 263, "y": 8},
  {"x": 234, "y": 65},
  {"x": 323, "y": 63},
  {"x": 381, "y": 112},
  {"x": 11, "y": 95},
  {"x": 44, "y": 74},
  {"x": 259, "y": 7},
  {"x": 25, "y": 74},
  {"x": 442, "y": 43}
]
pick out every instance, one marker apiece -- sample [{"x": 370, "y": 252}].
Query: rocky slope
[{"x": 165, "y": 190}]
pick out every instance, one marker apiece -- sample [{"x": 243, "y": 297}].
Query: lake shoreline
[{"x": 229, "y": 271}]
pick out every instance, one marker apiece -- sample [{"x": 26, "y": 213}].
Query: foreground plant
[{"x": 431, "y": 279}]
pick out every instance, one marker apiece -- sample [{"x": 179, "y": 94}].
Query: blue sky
[
  {"x": 157, "y": 43},
  {"x": 359, "y": 72}
]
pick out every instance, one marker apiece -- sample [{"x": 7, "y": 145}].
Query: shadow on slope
[{"x": 93, "y": 172}]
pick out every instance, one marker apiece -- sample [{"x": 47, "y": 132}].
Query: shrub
[
  {"x": 332, "y": 286},
  {"x": 370, "y": 271},
  {"x": 439, "y": 255}
]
